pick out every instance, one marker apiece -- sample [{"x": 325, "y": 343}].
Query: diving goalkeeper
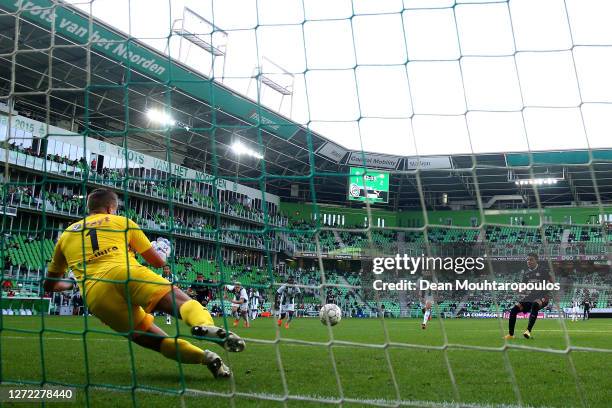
[{"x": 122, "y": 293}]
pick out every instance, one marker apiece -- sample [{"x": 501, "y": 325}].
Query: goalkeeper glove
[{"x": 162, "y": 247}]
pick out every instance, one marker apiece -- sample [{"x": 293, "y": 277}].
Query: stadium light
[
  {"x": 193, "y": 38},
  {"x": 537, "y": 181},
  {"x": 160, "y": 117},
  {"x": 239, "y": 148},
  {"x": 266, "y": 77},
  {"x": 203, "y": 34},
  {"x": 275, "y": 77}
]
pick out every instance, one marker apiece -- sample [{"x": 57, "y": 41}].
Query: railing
[
  {"x": 226, "y": 237},
  {"x": 581, "y": 250},
  {"x": 21, "y": 200},
  {"x": 144, "y": 187}
]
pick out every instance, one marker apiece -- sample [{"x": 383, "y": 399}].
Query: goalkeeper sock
[
  {"x": 181, "y": 350},
  {"x": 426, "y": 316},
  {"x": 512, "y": 322},
  {"x": 533, "y": 316},
  {"x": 194, "y": 314}
]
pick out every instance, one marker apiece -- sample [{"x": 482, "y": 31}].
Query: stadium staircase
[
  {"x": 565, "y": 236},
  {"x": 565, "y": 239},
  {"x": 341, "y": 280},
  {"x": 289, "y": 247},
  {"x": 404, "y": 309},
  {"x": 461, "y": 304},
  {"x": 338, "y": 239},
  {"x": 365, "y": 283}
]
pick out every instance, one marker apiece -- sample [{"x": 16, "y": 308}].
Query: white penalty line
[
  {"x": 76, "y": 337},
  {"x": 377, "y": 346},
  {"x": 79, "y": 337},
  {"x": 378, "y": 402},
  {"x": 434, "y": 325}
]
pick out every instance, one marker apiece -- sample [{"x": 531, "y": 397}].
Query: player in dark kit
[
  {"x": 587, "y": 309},
  {"x": 200, "y": 290},
  {"x": 535, "y": 300},
  {"x": 330, "y": 298}
]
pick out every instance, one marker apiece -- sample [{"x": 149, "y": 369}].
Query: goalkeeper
[{"x": 122, "y": 293}]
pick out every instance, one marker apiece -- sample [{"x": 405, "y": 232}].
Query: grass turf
[{"x": 120, "y": 374}]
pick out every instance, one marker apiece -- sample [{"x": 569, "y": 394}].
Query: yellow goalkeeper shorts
[{"x": 123, "y": 304}]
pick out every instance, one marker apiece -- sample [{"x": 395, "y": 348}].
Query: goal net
[{"x": 302, "y": 145}]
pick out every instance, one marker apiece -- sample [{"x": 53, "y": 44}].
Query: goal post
[{"x": 367, "y": 133}]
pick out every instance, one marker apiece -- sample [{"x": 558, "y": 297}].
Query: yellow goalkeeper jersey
[{"x": 96, "y": 244}]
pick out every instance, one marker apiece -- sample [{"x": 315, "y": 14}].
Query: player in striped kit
[
  {"x": 240, "y": 303},
  {"x": 426, "y": 302},
  {"x": 285, "y": 299},
  {"x": 575, "y": 309},
  {"x": 426, "y": 305},
  {"x": 254, "y": 298}
]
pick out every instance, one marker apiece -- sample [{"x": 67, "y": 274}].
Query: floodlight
[
  {"x": 160, "y": 117},
  {"x": 239, "y": 148}
]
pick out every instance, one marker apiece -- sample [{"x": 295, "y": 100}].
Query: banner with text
[
  {"x": 381, "y": 161},
  {"x": 427, "y": 163}
]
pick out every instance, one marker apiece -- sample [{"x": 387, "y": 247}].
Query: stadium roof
[{"x": 110, "y": 100}]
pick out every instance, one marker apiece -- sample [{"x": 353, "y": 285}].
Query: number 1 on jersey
[{"x": 93, "y": 235}]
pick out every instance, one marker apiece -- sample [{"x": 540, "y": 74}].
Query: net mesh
[{"x": 105, "y": 110}]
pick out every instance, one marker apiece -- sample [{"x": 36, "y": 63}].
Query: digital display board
[{"x": 368, "y": 185}]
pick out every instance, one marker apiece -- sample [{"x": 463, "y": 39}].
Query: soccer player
[
  {"x": 426, "y": 308},
  {"x": 575, "y": 310},
  {"x": 535, "y": 300},
  {"x": 254, "y": 302},
  {"x": 286, "y": 300},
  {"x": 122, "y": 293},
  {"x": 201, "y": 291},
  {"x": 240, "y": 304},
  {"x": 587, "y": 309},
  {"x": 170, "y": 277},
  {"x": 330, "y": 298}
]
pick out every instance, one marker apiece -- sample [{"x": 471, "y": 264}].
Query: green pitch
[{"x": 482, "y": 377}]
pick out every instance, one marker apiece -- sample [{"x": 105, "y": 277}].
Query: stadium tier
[
  {"x": 333, "y": 203},
  {"x": 188, "y": 213}
]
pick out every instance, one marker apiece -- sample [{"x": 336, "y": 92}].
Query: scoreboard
[{"x": 368, "y": 185}]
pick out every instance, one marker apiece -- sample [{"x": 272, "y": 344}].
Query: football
[{"x": 330, "y": 314}]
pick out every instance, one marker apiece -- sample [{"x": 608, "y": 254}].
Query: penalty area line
[{"x": 379, "y": 402}]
